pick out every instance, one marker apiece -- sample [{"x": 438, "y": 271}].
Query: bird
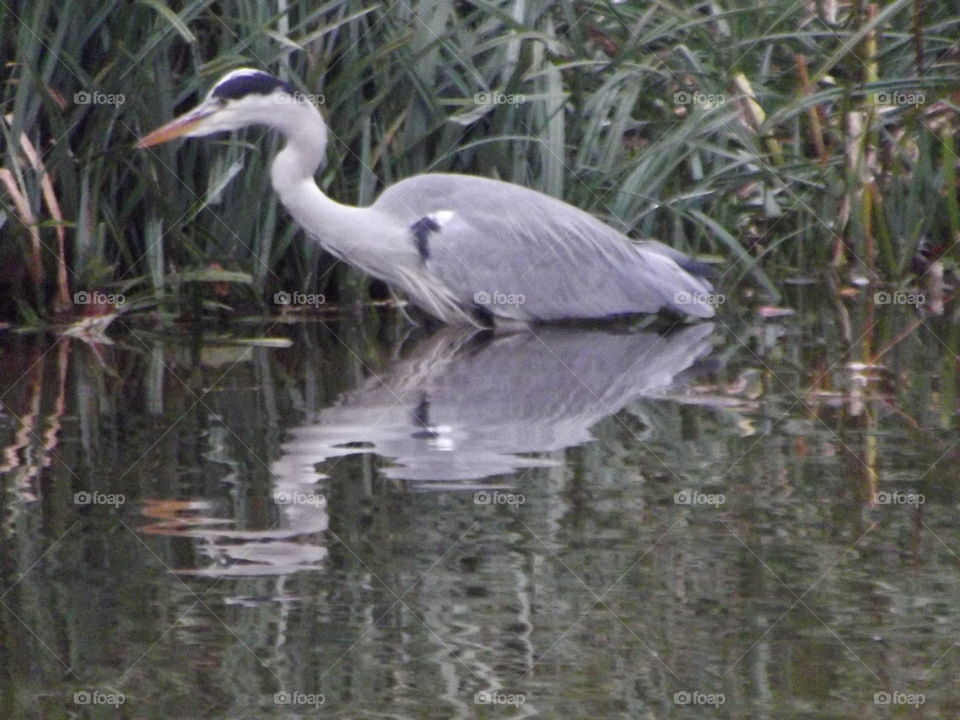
[{"x": 467, "y": 250}]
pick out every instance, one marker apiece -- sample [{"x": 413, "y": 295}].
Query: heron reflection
[{"x": 465, "y": 406}]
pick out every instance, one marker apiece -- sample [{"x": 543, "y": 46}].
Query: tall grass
[{"x": 785, "y": 136}]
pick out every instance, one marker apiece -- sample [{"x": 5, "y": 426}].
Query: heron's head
[{"x": 240, "y": 98}]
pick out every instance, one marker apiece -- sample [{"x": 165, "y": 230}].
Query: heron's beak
[{"x": 176, "y": 128}]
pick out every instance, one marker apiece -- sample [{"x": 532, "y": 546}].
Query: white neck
[{"x": 362, "y": 236}]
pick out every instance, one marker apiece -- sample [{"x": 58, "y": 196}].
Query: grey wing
[{"x": 515, "y": 253}]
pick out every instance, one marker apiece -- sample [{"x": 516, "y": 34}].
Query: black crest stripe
[{"x": 255, "y": 84}]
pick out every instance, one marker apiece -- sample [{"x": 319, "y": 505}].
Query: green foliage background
[{"x": 830, "y": 170}]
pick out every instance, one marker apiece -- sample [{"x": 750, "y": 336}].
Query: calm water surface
[{"x": 756, "y": 518}]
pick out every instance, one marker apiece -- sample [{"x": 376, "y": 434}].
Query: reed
[{"x": 776, "y": 138}]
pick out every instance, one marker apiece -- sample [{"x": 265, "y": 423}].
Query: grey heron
[{"x": 466, "y": 249}]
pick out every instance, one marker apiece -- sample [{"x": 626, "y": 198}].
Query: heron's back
[{"x": 516, "y": 253}]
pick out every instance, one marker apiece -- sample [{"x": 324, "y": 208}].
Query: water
[{"x": 746, "y": 519}]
